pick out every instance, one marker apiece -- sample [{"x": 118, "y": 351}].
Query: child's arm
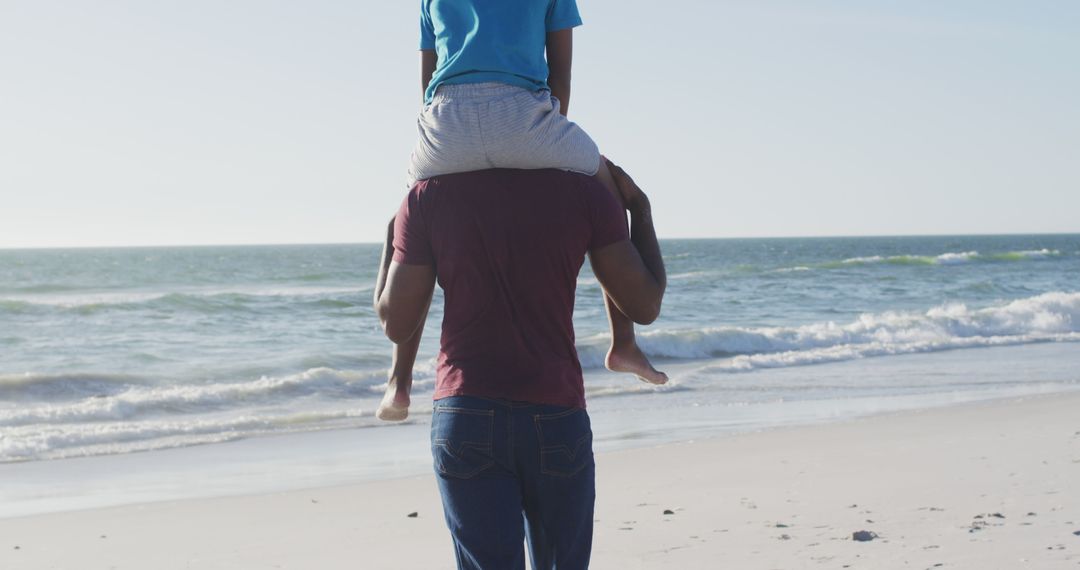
[
  {"x": 560, "y": 55},
  {"x": 428, "y": 59}
]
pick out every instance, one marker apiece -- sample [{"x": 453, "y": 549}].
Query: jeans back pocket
[
  {"x": 461, "y": 441},
  {"x": 565, "y": 442}
]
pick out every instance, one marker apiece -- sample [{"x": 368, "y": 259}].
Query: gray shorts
[{"x": 493, "y": 125}]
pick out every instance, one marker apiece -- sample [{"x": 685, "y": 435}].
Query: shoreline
[
  {"x": 327, "y": 459},
  {"x": 645, "y": 418},
  {"x": 931, "y": 481}
]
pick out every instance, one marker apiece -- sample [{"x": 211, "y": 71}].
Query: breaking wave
[
  {"x": 1050, "y": 317},
  {"x": 100, "y": 438},
  {"x": 57, "y": 416},
  {"x": 96, "y": 398}
]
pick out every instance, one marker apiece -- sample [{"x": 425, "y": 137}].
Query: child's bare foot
[
  {"x": 395, "y": 403},
  {"x": 629, "y": 358}
]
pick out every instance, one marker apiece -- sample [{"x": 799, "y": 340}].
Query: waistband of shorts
[{"x": 489, "y": 90}]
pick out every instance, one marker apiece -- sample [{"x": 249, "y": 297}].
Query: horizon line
[{"x": 288, "y": 244}]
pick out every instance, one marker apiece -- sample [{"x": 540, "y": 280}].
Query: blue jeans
[{"x": 510, "y": 472}]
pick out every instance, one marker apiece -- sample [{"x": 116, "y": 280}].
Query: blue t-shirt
[{"x": 503, "y": 41}]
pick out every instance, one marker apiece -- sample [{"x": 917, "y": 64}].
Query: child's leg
[
  {"x": 395, "y": 403},
  {"x": 624, "y": 354}
]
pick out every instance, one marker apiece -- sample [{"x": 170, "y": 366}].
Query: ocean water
[{"x": 114, "y": 351}]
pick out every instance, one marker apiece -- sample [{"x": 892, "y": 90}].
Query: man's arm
[
  {"x": 402, "y": 293},
  {"x": 632, "y": 273},
  {"x": 560, "y": 57},
  {"x": 428, "y": 60}
]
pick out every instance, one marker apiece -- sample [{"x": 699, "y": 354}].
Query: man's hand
[
  {"x": 633, "y": 198},
  {"x": 632, "y": 274}
]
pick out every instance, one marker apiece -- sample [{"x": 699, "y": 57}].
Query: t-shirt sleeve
[
  {"x": 562, "y": 14},
  {"x": 427, "y": 27},
  {"x": 607, "y": 216},
  {"x": 411, "y": 243}
]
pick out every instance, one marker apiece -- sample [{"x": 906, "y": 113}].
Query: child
[{"x": 492, "y": 100}]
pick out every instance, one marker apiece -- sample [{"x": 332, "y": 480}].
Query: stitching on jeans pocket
[
  {"x": 565, "y": 442},
  {"x": 461, "y": 441}
]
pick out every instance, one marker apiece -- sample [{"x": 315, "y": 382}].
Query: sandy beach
[
  {"x": 847, "y": 233},
  {"x": 988, "y": 485}
]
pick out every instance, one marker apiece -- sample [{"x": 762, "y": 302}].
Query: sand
[{"x": 992, "y": 485}]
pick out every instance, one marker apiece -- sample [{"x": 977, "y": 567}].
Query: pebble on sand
[
  {"x": 413, "y": 515},
  {"x": 863, "y": 536},
  {"x": 669, "y": 512}
]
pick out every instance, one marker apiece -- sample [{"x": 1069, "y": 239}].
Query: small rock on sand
[
  {"x": 863, "y": 536},
  {"x": 669, "y": 512},
  {"x": 413, "y": 515}
]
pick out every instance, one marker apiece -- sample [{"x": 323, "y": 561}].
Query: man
[{"x": 509, "y": 434}]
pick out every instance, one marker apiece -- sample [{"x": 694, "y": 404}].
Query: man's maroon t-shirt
[{"x": 507, "y": 246}]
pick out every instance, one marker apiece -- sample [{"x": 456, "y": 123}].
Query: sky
[{"x": 168, "y": 122}]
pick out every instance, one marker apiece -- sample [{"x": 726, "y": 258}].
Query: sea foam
[
  {"x": 1051, "y": 317},
  {"x": 98, "y": 438},
  {"x": 121, "y": 399}
]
